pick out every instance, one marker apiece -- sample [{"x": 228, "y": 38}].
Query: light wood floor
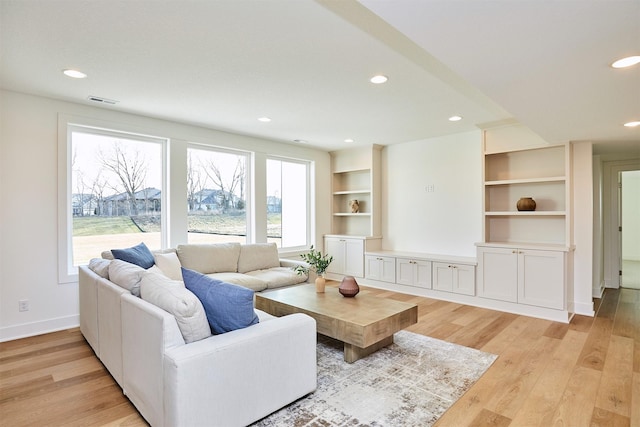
[{"x": 586, "y": 373}]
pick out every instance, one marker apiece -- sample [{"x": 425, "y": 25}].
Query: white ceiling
[{"x": 306, "y": 64}]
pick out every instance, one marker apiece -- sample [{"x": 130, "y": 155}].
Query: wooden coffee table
[{"x": 365, "y": 323}]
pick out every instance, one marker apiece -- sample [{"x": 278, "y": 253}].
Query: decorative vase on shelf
[
  {"x": 320, "y": 284},
  {"x": 526, "y": 204},
  {"x": 349, "y": 287}
]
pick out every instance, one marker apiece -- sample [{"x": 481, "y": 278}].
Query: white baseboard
[
  {"x": 38, "y": 328},
  {"x": 598, "y": 291},
  {"x": 583, "y": 308}
]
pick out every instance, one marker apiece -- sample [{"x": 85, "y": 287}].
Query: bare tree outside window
[
  {"x": 215, "y": 196},
  {"x": 129, "y": 167},
  {"x": 116, "y": 192}
]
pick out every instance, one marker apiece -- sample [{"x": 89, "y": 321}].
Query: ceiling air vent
[{"x": 102, "y": 100}]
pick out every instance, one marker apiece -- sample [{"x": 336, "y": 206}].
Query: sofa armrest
[
  {"x": 147, "y": 333},
  {"x": 241, "y": 376},
  {"x": 292, "y": 263}
]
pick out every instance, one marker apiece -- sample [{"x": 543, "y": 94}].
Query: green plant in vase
[{"x": 318, "y": 263}]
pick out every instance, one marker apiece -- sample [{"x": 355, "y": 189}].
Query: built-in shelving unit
[
  {"x": 525, "y": 258},
  {"x": 355, "y": 176},
  {"x": 525, "y": 168}
]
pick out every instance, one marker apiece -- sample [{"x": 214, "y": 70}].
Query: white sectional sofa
[{"x": 231, "y": 379}]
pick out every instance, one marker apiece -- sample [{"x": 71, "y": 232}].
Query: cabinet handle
[{"x": 514, "y": 251}]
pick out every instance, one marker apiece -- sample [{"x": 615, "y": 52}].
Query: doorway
[{"x": 629, "y": 221}]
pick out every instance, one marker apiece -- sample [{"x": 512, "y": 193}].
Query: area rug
[{"x": 409, "y": 383}]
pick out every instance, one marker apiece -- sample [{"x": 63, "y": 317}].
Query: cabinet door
[
  {"x": 380, "y": 268},
  {"x": 541, "y": 280},
  {"x": 422, "y": 276},
  {"x": 498, "y": 274},
  {"x": 413, "y": 272},
  {"x": 442, "y": 276},
  {"x": 404, "y": 271},
  {"x": 335, "y": 247},
  {"x": 464, "y": 279},
  {"x": 354, "y": 257}
]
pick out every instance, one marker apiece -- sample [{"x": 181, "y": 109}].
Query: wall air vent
[{"x": 102, "y": 100}]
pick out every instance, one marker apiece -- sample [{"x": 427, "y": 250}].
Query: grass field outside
[{"x": 94, "y": 234}]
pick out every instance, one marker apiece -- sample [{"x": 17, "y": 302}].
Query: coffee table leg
[{"x": 353, "y": 353}]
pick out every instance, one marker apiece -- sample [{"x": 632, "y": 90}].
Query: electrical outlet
[
  {"x": 430, "y": 188},
  {"x": 23, "y": 305}
]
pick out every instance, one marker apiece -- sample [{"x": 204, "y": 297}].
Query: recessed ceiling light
[
  {"x": 348, "y": 140},
  {"x": 74, "y": 73},
  {"x": 632, "y": 124},
  {"x": 455, "y": 118},
  {"x": 264, "y": 119},
  {"x": 379, "y": 79},
  {"x": 626, "y": 62}
]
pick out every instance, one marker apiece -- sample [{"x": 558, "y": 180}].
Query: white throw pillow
[
  {"x": 258, "y": 256},
  {"x": 169, "y": 264},
  {"x": 174, "y": 298},
  {"x": 126, "y": 275}
]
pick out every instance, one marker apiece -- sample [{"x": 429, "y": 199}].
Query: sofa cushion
[
  {"x": 228, "y": 307},
  {"x": 138, "y": 255},
  {"x": 100, "y": 267},
  {"x": 253, "y": 283},
  {"x": 126, "y": 275},
  {"x": 210, "y": 258},
  {"x": 174, "y": 298},
  {"x": 169, "y": 264},
  {"x": 258, "y": 256},
  {"x": 277, "y": 277}
]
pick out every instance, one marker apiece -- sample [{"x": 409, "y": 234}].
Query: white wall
[
  {"x": 446, "y": 221},
  {"x": 28, "y": 207},
  {"x": 582, "y": 180},
  {"x": 598, "y": 230},
  {"x": 631, "y": 215}
]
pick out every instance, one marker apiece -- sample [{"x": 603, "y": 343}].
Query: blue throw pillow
[
  {"x": 228, "y": 307},
  {"x": 138, "y": 255}
]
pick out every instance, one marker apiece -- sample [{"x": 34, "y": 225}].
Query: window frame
[
  {"x": 309, "y": 197},
  {"x": 67, "y": 272}
]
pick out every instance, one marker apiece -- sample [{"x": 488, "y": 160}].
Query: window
[
  {"x": 288, "y": 203},
  {"x": 216, "y": 195},
  {"x": 114, "y": 193}
]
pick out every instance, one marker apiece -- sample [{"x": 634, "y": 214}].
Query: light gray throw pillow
[{"x": 174, "y": 298}]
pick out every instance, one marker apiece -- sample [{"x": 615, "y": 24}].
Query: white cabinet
[
  {"x": 525, "y": 256},
  {"x": 413, "y": 272},
  {"x": 458, "y": 278},
  {"x": 348, "y": 255},
  {"x": 523, "y": 275},
  {"x": 380, "y": 268}
]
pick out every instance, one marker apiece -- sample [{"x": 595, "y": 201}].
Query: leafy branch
[{"x": 317, "y": 262}]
